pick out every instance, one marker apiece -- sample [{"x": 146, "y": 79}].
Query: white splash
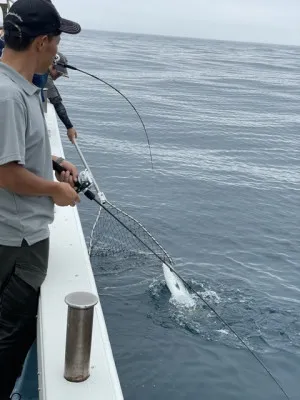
[
  {"x": 211, "y": 295},
  {"x": 223, "y": 331},
  {"x": 178, "y": 290}
]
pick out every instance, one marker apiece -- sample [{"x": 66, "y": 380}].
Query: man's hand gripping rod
[
  {"x": 85, "y": 179},
  {"x": 83, "y": 183}
]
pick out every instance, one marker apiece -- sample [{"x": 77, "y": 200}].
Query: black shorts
[{"x": 22, "y": 272}]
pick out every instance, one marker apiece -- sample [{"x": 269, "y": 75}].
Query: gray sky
[{"x": 275, "y": 21}]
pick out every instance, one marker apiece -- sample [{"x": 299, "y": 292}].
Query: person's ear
[{"x": 41, "y": 42}]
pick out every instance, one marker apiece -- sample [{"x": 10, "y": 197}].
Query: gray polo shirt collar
[{"x": 28, "y": 87}]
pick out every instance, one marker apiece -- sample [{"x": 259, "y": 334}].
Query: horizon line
[{"x": 191, "y": 37}]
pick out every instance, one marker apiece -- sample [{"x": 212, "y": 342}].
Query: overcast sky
[{"x": 275, "y": 21}]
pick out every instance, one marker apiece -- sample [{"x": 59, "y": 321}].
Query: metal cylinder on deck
[{"x": 79, "y": 335}]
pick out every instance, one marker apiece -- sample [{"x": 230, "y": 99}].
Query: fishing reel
[{"x": 84, "y": 181}]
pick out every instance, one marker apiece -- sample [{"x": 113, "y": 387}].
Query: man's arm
[
  {"x": 13, "y": 175},
  {"x": 61, "y": 112},
  {"x": 55, "y": 99},
  {"x": 17, "y": 179}
]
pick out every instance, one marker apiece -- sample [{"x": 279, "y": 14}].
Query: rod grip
[{"x": 59, "y": 168}]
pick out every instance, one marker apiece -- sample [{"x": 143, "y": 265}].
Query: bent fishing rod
[{"x": 118, "y": 91}]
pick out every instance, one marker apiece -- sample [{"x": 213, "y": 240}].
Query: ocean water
[{"x": 223, "y": 200}]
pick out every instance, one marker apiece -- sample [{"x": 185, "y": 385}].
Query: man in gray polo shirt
[{"x": 27, "y": 189}]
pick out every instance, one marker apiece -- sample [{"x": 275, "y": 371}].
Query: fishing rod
[
  {"x": 82, "y": 185},
  {"x": 118, "y": 91}
]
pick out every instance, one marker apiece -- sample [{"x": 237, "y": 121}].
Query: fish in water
[{"x": 177, "y": 288}]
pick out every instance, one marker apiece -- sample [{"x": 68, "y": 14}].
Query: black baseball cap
[{"x": 37, "y": 17}]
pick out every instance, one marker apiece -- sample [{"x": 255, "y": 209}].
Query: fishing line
[{"x": 118, "y": 91}]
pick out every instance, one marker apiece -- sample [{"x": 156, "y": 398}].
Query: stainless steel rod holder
[{"x": 79, "y": 335}]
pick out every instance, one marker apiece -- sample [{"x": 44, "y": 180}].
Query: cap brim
[{"x": 71, "y": 27}]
